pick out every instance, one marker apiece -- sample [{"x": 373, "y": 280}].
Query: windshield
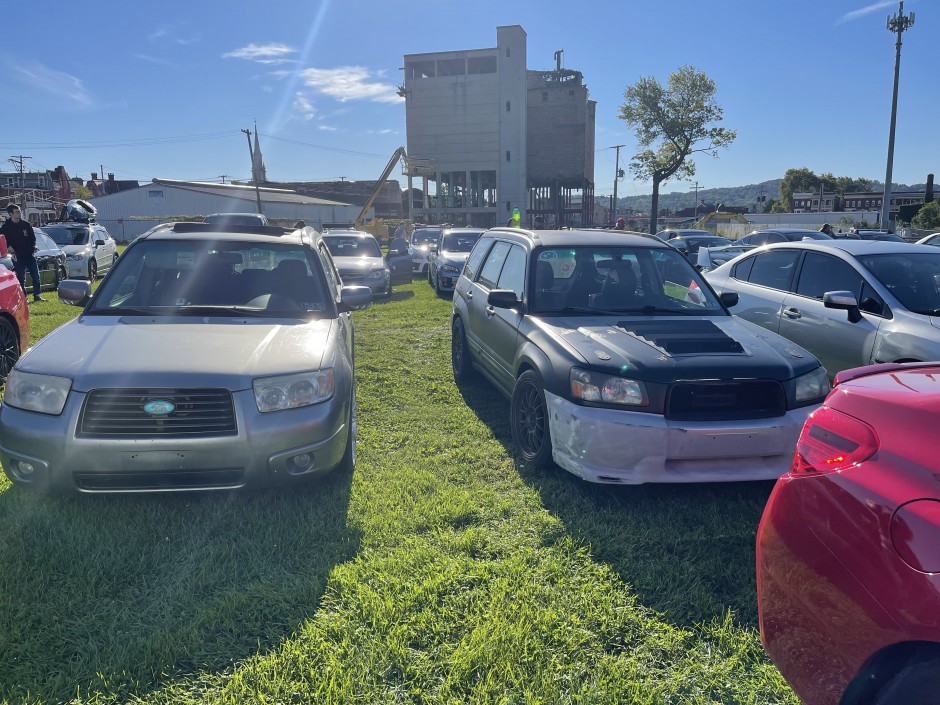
[
  {"x": 619, "y": 280},
  {"x": 352, "y": 246},
  {"x": 913, "y": 279},
  {"x": 181, "y": 277},
  {"x": 67, "y": 236},
  {"x": 459, "y": 242},
  {"x": 424, "y": 237}
]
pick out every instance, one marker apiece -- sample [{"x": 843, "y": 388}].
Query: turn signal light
[{"x": 832, "y": 441}]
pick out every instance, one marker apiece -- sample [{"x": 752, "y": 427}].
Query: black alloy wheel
[
  {"x": 529, "y": 421},
  {"x": 9, "y": 346},
  {"x": 92, "y": 270}
]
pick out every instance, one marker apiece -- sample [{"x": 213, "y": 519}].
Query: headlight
[
  {"x": 76, "y": 256},
  {"x": 293, "y": 391},
  {"x": 812, "y": 385},
  {"x": 44, "y": 394},
  {"x": 376, "y": 274},
  {"x": 450, "y": 268},
  {"x": 606, "y": 389}
]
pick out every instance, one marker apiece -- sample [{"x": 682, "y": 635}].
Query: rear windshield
[
  {"x": 352, "y": 246},
  {"x": 459, "y": 242},
  {"x": 424, "y": 237}
]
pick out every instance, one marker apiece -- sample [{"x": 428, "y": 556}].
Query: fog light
[
  {"x": 301, "y": 462},
  {"x": 24, "y": 467}
]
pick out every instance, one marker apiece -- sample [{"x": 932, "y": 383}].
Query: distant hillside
[{"x": 728, "y": 196}]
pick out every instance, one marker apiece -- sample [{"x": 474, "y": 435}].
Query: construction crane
[{"x": 399, "y": 154}]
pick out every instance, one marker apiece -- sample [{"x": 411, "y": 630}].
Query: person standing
[{"x": 22, "y": 240}]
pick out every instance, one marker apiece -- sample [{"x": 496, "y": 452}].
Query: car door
[
  {"x": 838, "y": 342},
  {"x": 399, "y": 261},
  {"x": 479, "y": 312},
  {"x": 45, "y": 259},
  {"x": 762, "y": 282},
  {"x": 502, "y": 331}
]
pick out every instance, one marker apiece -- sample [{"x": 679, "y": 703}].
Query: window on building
[
  {"x": 481, "y": 64},
  {"x": 419, "y": 69},
  {"x": 452, "y": 67},
  {"x": 507, "y": 52}
]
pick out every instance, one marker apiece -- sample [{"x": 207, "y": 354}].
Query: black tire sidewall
[
  {"x": 459, "y": 338},
  {"x": 543, "y": 457},
  {"x": 918, "y": 683}
]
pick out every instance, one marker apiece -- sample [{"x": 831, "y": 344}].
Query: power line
[
  {"x": 320, "y": 146},
  {"x": 140, "y": 142}
]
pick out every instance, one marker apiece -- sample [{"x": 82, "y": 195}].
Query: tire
[
  {"x": 460, "y": 360},
  {"x": 916, "y": 684},
  {"x": 348, "y": 463},
  {"x": 430, "y": 278},
  {"x": 437, "y": 285},
  {"x": 529, "y": 421},
  {"x": 92, "y": 271},
  {"x": 9, "y": 347}
]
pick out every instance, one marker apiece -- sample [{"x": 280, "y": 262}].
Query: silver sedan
[{"x": 849, "y": 302}]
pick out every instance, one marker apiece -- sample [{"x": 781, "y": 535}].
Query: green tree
[
  {"x": 671, "y": 122},
  {"x": 928, "y": 217},
  {"x": 796, "y": 181},
  {"x": 79, "y": 191}
]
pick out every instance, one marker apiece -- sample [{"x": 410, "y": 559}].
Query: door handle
[
  {"x": 469, "y": 294},
  {"x": 792, "y": 313},
  {"x": 490, "y": 311}
]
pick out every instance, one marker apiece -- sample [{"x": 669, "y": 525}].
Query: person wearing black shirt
[{"x": 22, "y": 240}]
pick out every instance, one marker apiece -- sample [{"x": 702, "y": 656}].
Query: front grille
[
  {"x": 350, "y": 277},
  {"x": 119, "y": 413},
  {"x": 725, "y": 401},
  {"x": 216, "y": 478}
]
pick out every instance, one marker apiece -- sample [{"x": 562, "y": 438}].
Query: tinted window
[
  {"x": 871, "y": 302},
  {"x": 742, "y": 270},
  {"x": 331, "y": 275},
  {"x": 821, "y": 273},
  {"x": 44, "y": 242},
  {"x": 459, "y": 242},
  {"x": 512, "y": 276},
  {"x": 774, "y": 269},
  {"x": 352, "y": 246},
  {"x": 493, "y": 265},
  {"x": 913, "y": 279}
]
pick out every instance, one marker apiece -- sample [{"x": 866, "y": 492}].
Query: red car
[
  {"x": 14, "y": 321},
  {"x": 848, "y": 550}
]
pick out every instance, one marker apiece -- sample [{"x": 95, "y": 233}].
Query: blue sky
[{"x": 163, "y": 89}]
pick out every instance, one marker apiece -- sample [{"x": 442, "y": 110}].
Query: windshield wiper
[
  {"x": 217, "y": 311},
  {"x": 651, "y": 309},
  {"x": 121, "y": 311}
]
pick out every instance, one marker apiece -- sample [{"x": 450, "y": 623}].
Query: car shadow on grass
[
  {"x": 121, "y": 594},
  {"x": 685, "y": 550}
]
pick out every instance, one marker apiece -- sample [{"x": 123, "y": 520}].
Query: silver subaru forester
[{"x": 211, "y": 357}]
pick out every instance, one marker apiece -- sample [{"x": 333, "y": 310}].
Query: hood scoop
[{"x": 682, "y": 337}]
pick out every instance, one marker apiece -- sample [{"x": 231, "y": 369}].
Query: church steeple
[{"x": 258, "y": 173}]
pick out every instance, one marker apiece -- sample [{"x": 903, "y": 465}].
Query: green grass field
[{"x": 438, "y": 573}]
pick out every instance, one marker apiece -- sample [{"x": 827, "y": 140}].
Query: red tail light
[{"x": 832, "y": 441}]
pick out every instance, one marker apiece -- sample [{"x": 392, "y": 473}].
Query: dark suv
[{"x": 622, "y": 364}]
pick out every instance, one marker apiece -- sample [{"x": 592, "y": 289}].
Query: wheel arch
[
  {"x": 884, "y": 665},
  {"x": 531, "y": 357}
]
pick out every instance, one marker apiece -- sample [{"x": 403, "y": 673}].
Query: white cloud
[
  {"x": 303, "y": 107},
  {"x": 868, "y": 9},
  {"x": 326, "y": 128},
  {"x": 263, "y": 53},
  {"x": 156, "y": 60},
  {"x": 61, "y": 84},
  {"x": 349, "y": 83}
]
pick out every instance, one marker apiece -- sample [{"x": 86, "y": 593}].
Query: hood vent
[{"x": 683, "y": 337}]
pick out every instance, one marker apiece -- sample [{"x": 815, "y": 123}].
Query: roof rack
[{"x": 186, "y": 227}]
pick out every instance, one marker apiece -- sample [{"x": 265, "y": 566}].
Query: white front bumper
[{"x": 629, "y": 447}]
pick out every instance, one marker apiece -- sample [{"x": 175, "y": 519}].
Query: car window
[
  {"x": 493, "y": 264},
  {"x": 182, "y": 277},
  {"x": 424, "y": 237},
  {"x": 476, "y": 257},
  {"x": 914, "y": 280},
  {"x": 352, "y": 246},
  {"x": 44, "y": 242},
  {"x": 459, "y": 242},
  {"x": 332, "y": 276},
  {"x": 774, "y": 269},
  {"x": 512, "y": 276},
  {"x": 695, "y": 243},
  {"x": 742, "y": 270},
  {"x": 821, "y": 273},
  {"x": 871, "y": 302}
]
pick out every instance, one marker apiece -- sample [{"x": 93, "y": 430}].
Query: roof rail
[{"x": 186, "y": 227}]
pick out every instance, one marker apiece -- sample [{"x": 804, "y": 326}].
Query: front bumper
[
  {"x": 77, "y": 268},
  {"x": 262, "y": 453},
  {"x": 447, "y": 280},
  {"x": 630, "y": 447},
  {"x": 419, "y": 262}
]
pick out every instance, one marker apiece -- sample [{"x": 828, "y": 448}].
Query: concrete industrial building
[{"x": 487, "y": 136}]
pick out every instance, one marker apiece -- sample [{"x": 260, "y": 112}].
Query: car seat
[{"x": 619, "y": 287}]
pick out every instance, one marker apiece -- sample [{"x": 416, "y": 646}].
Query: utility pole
[
  {"x": 17, "y": 160},
  {"x": 251, "y": 156},
  {"x": 223, "y": 177},
  {"x": 696, "y": 201},
  {"x": 617, "y": 175},
  {"x": 897, "y": 24}
]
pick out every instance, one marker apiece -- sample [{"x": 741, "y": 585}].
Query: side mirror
[
  {"x": 354, "y": 298},
  {"x": 99, "y": 243},
  {"x": 728, "y": 298},
  {"x": 503, "y": 298},
  {"x": 74, "y": 292},
  {"x": 845, "y": 301}
]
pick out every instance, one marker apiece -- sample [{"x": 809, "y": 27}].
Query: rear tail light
[{"x": 832, "y": 441}]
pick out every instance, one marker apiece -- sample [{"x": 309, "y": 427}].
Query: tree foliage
[
  {"x": 672, "y": 122},
  {"x": 804, "y": 180},
  {"x": 928, "y": 217}
]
